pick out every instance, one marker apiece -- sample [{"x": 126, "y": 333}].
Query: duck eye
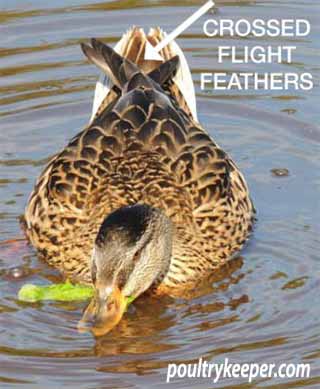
[
  {"x": 93, "y": 272},
  {"x": 136, "y": 256}
]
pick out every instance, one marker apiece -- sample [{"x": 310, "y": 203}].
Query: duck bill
[{"x": 103, "y": 313}]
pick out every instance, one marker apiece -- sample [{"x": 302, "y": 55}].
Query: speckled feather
[{"x": 143, "y": 148}]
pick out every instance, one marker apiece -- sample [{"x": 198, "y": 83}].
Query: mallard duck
[{"x": 142, "y": 199}]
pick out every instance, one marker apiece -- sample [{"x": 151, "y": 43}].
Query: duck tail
[{"x": 132, "y": 47}]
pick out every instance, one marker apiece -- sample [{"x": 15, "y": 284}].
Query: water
[{"x": 264, "y": 307}]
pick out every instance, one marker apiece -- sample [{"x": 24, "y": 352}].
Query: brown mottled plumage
[{"x": 142, "y": 147}]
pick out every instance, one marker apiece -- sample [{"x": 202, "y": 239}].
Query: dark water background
[{"x": 265, "y": 308}]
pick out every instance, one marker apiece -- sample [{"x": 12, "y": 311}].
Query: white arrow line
[{"x": 152, "y": 52}]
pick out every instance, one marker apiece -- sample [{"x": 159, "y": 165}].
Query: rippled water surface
[{"x": 265, "y": 306}]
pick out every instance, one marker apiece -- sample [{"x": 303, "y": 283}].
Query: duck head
[{"x": 132, "y": 252}]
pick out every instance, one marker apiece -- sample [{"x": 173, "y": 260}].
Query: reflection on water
[{"x": 262, "y": 307}]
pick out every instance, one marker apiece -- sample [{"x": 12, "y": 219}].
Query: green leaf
[{"x": 57, "y": 292}]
